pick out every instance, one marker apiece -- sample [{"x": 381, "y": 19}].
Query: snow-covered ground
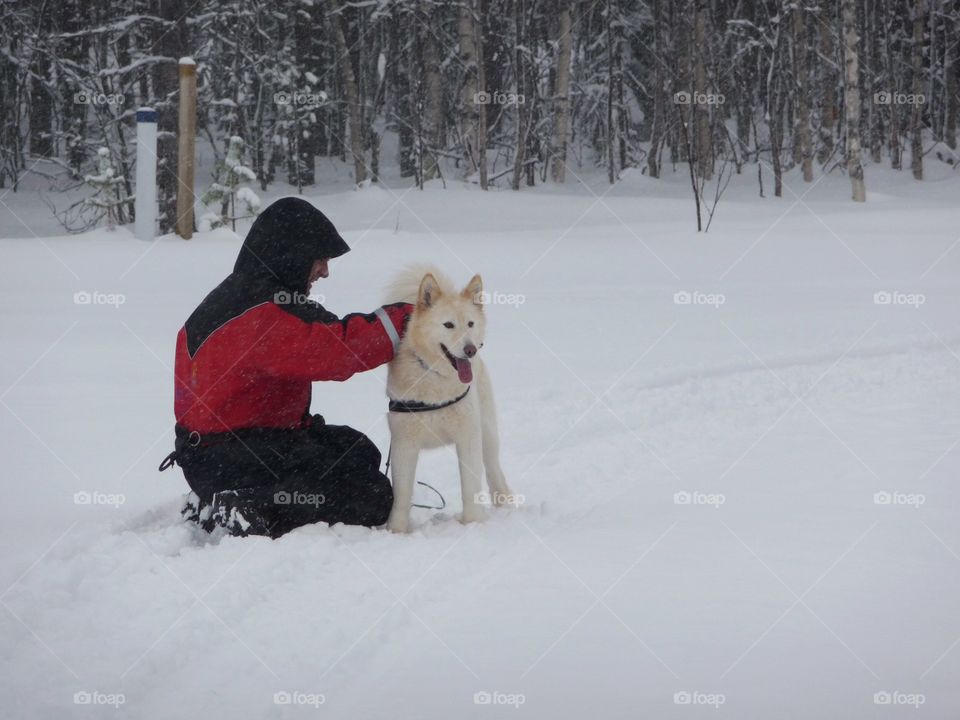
[{"x": 743, "y": 506}]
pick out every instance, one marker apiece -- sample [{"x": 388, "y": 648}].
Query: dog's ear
[
  {"x": 429, "y": 291},
  {"x": 474, "y": 290}
]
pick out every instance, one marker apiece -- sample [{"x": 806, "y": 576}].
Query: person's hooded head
[{"x": 285, "y": 241}]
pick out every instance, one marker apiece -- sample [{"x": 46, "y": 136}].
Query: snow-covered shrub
[
  {"x": 236, "y": 200},
  {"x": 108, "y": 197}
]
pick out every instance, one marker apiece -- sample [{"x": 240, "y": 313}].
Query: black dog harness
[
  {"x": 414, "y": 406},
  {"x": 411, "y": 406}
]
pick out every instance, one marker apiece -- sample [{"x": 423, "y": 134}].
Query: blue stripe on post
[{"x": 146, "y": 115}]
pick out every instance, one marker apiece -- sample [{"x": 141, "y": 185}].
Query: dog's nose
[{"x": 469, "y": 350}]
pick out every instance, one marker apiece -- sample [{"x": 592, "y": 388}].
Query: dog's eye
[
  {"x": 448, "y": 324},
  {"x": 470, "y": 324}
]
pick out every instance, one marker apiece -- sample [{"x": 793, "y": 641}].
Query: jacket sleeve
[{"x": 331, "y": 349}]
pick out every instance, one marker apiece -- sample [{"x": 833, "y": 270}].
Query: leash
[
  {"x": 414, "y": 406},
  {"x": 443, "y": 503}
]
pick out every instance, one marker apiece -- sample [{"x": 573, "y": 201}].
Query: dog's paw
[
  {"x": 398, "y": 525},
  {"x": 473, "y": 515}
]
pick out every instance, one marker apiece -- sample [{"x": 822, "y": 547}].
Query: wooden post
[{"x": 186, "y": 137}]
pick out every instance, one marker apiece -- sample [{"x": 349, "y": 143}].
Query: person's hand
[{"x": 407, "y": 313}]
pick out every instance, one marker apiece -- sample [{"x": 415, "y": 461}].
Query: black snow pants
[{"x": 282, "y": 479}]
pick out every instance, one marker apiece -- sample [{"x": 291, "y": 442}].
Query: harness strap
[{"x": 411, "y": 406}]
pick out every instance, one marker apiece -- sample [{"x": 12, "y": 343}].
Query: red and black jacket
[{"x": 247, "y": 355}]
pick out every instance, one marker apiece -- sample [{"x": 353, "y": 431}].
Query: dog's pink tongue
[{"x": 464, "y": 371}]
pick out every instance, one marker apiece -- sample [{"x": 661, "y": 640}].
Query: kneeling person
[{"x": 255, "y": 458}]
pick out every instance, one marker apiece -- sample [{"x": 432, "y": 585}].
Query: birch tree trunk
[
  {"x": 801, "y": 128},
  {"x": 896, "y": 161},
  {"x": 611, "y": 81},
  {"x": 775, "y": 103},
  {"x": 680, "y": 58},
  {"x": 480, "y": 28},
  {"x": 656, "y": 127},
  {"x": 561, "y": 93},
  {"x": 433, "y": 130},
  {"x": 828, "y": 89},
  {"x": 877, "y": 132},
  {"x": 623, "y": 118},
  {"x": 851, "y": 91},
  {"x": 701, "y": 110},
  {"x": 745, "y": 80},
  {"x": 916, "y": 115},
  {"x": 523, "y": 115},
  {"x": 777, "y": 100},
  {"x": 353, "y": 100},
  {"x": 469, "y": 121}
]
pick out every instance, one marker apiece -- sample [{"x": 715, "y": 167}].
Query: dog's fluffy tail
[{"x": 406, "y": 284}]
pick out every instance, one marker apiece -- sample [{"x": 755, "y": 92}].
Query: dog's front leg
[
  {"x": 403, "y": 473},
  {"x": 499, "y": 490},
  {"x": 470, "y": 457}
]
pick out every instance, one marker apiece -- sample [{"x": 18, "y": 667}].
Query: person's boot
[
  {"x": 196, "y": 510},
  {"x": 238, "y": 512},
  {"x": 191, "y": 508}
]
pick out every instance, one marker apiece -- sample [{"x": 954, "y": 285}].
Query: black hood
[{"x": 284, "y": 242}]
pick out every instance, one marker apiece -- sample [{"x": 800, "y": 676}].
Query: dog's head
[{"x": 447, "y": 328}]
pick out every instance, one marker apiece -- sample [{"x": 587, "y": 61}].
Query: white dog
[{"x": 440, "y": 393}]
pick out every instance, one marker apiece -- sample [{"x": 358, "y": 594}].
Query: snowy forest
[
  {"x": 511, "y": 93},
  {"x": 280, "y": 280}
]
